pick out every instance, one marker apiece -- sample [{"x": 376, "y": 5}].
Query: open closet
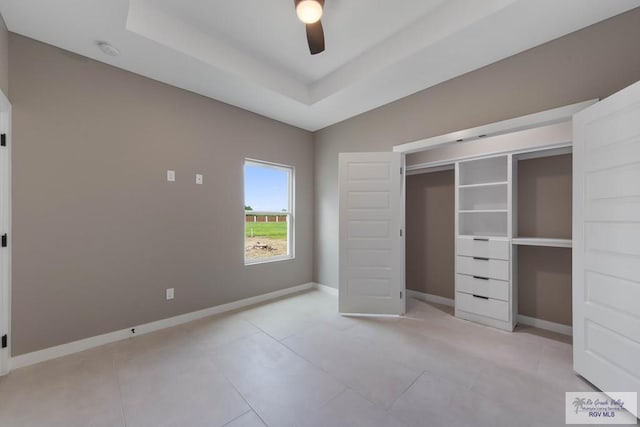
[
  {"x": 546, "y": 230},
  {"x": 430, "y": 234},
  {"x": 542, "y": 238},
  {"x": 491, "y": 235}
]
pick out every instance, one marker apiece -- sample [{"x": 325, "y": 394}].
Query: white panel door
[
  {"x": 371, "y": 245},
  {"x": 606, "y": 242}
]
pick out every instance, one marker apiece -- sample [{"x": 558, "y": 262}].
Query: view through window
[{"x": 268, "y": 212}]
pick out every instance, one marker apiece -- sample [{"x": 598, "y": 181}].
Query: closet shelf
[
  {"x": 539, "y": 241},
  {"x": 483, "y": 211},
  {"x": 484, "y": 184}
]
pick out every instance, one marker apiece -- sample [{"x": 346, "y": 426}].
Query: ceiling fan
[{"x": 310, "y": 12}]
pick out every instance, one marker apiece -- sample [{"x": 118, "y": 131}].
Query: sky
[{"x": 265, "y": 188}]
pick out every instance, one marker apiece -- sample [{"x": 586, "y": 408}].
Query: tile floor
[{"x": 296, "y": 362}]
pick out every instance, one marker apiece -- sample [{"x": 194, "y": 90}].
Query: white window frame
[{"x": 290, "y": 214}]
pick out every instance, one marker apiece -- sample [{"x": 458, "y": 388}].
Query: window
[{"x": 268, "y": 212}]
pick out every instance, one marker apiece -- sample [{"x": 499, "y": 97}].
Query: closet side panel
[{"x": 430, "y": 238}]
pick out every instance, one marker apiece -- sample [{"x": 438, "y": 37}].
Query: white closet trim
[
  {"x": 543, "y": 118},
  {"x": 522, "y": 154}
]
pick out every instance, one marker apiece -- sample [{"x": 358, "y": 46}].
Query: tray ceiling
[{"x": 253, "y": 53}]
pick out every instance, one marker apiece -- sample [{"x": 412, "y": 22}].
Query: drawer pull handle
[
  {"x": 480, "y": 277},
  {"x": 480, "y": 296},
  {"x": 480, "y": 259},
  {"x": 480, "y": 239}
]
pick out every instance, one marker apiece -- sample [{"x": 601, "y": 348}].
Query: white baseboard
[
  {"x": 430, "y": 298},
  {"x": 545, "y": 324},
  {"x": 327, "y": 289},
  {"x": 88, "y": 343},
  {"x": 525, "y": 320}
]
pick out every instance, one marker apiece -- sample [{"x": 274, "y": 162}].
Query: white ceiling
[{"x": 253, "y": 53}]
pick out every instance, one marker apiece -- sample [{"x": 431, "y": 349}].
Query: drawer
[
  {"x": 483, "y": 267},
  {"x": 483, "y": 247},
  {"x": 492, "y": 288},
  {"x": 488, "y": 307}
]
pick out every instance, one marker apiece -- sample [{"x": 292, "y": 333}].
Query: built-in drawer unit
[
  {"x": 483, "y": 286},
  {"x": 483, "y": 247},
  {"x": 484, "y": 306},
  {"x": 483, "y": 267}
]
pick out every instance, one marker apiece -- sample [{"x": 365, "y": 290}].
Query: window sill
[{"x": 268, "y": 260}]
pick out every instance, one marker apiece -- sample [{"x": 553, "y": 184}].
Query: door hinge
[
  {"x": 4, "y": 240},
  {"x": 3, "y": 140},
  {"x": 4, "y": 341},
  {"x": 401, "y": 232},
  {"x": 400, "y": 294},
  {"x": 400, "y": 171}
]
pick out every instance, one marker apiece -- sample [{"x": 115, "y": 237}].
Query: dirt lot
[{"x": 254, "y": 247}]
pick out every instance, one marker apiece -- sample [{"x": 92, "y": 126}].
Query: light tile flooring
[{"x": 296, "y": 362}]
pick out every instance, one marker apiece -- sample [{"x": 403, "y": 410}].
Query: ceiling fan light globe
[{"x": 309, "y": 11}]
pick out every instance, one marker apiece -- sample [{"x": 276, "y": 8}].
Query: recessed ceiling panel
[{"x": 271, "y": 31}]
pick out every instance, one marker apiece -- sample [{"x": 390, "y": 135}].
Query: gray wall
[
  {"x": 545, "y": 194},
  {"x": 98, "y": 233},
  {"x": 4, "y": 57},
  {"x": 544, "y": 283},
  {"x": 592, "y": 63},
  {"x": 430, "y": 233}
]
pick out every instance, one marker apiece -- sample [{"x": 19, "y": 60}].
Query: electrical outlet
[
  {"x": 199, "y": 178},
  {"x": 169, "y": 293},
  {"x": 171, "y": 175}
]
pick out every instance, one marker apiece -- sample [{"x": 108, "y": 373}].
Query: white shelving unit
[
  {"x": 539, "y": 241},
  {"x": 484, "y": 291},
  {"x": 487, "y": 184},
  {"x": 482, "y": 196}
]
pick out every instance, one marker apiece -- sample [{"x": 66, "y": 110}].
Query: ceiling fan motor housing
[{"x": 315, "y": 32}]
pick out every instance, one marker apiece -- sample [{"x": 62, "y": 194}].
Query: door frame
[{"x": 5, "y": 227}]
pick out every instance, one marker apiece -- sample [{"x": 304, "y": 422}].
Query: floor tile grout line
[
  {"x": 239, "y": 416},
  {"x": 281, "y": 342},
  {"x": 114, "y": 365},
  {"x": 263, "y": 331},
  {"x": 219, "y": 347},
  {"x": 252, "y": 409},
  {"x": 346, "y": 386},
  {"x": 242, "y": 396},
  {"x": 420, "y": 375}
]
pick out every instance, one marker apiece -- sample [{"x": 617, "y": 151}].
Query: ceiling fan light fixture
[{"x": 309, "y": 11}]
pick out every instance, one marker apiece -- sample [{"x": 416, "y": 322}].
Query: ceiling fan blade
[{"x": 315, "y": 37}]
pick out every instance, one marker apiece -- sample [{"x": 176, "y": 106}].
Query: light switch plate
[
  {"x": 199, "y": 178},
  {"x": 169, "y": 293},
  {"x": 171, "y": 175}
]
